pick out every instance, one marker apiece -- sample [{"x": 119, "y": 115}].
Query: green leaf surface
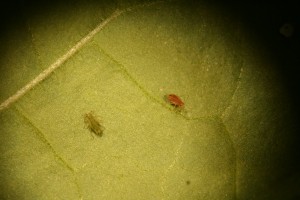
[{"x": 230, "y": 140}]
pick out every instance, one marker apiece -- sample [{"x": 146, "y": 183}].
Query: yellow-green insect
[{"x": 93, "y": 123}]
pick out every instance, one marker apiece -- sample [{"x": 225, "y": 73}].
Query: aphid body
[
  {"x": 175, "y": 100},
  {"x": 93, "y": 123}
]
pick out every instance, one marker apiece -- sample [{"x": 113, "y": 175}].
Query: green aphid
[{"x": 93, "y": 123}]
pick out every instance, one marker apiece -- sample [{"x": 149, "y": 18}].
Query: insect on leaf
[
  {"x": 175, "y": 100},
  {"x": 93, "y": 123}
]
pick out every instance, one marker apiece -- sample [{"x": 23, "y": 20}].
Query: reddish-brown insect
[{"x": 175, "y": 101}]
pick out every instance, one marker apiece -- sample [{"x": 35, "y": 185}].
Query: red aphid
[{"x": 175, "y": 100}]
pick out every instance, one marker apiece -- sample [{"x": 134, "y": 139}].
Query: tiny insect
[
  {"x": 93, "y": 123},
  {"x": 175, "y": 100}
]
